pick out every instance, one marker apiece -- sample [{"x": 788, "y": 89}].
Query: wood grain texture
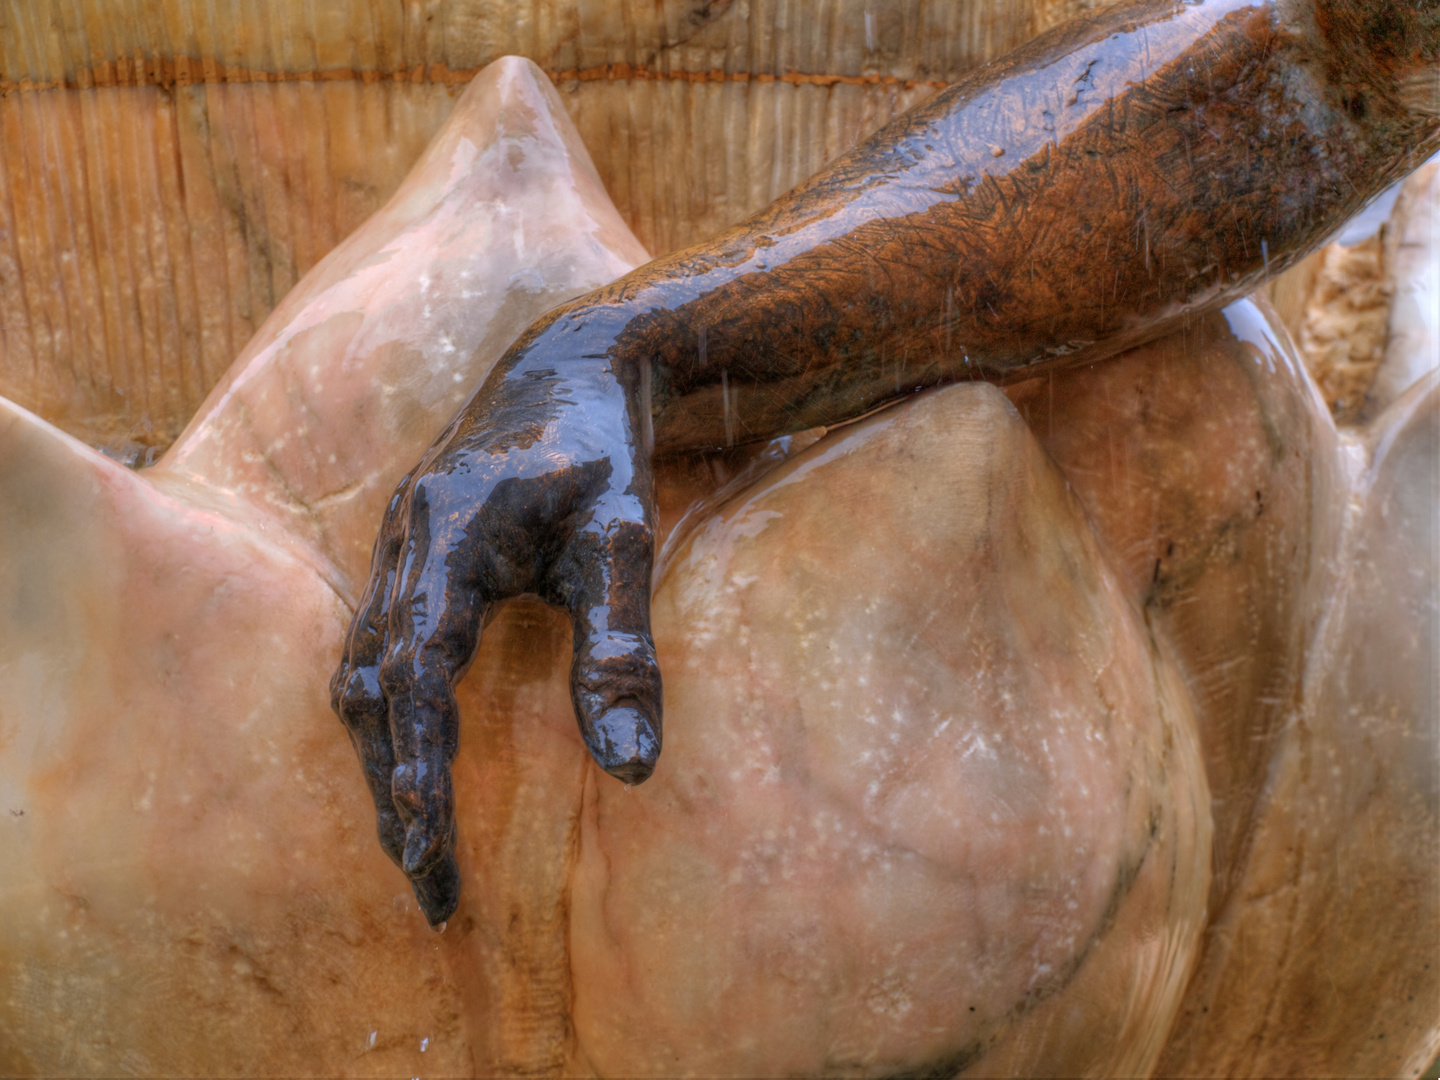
[
  {"x": 169, "y": 170},
  {"x": 62, "y": 40}
]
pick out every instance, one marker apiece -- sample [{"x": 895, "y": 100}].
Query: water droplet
[
  {"x": 370, "y": 1042},
  {"x": 424, "y": 1044}
]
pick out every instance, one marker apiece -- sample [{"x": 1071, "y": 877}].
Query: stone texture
[
  {"x": 929, "y": 800},
  {"x": 1339, "y": 901},
  {"x": 1342, "y": 322},
  {"x": 193, "y": 884},
  {"x": 1210, "y": 471}
]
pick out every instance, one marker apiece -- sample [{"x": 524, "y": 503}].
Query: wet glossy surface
[
  {"x": 1090, "y": 190},
  {"x": 944, "y": 667},
  {"x": 192, "y": 880},
  {"x": 1198, "y": 145},
  {"x": 154, "y": 211},
  {"x": 185, "y": 817},
  {"x": 797, "y": 878}
]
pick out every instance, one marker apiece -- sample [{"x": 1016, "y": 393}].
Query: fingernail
[{"x": 625, "y": 744}]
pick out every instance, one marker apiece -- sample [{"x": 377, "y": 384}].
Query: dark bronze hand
[
  {"x": 1091, "y": 190},
  {"x": 541, "y": 486}
]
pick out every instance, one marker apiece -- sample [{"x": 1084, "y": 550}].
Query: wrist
[{"x": 584, "y": 330}]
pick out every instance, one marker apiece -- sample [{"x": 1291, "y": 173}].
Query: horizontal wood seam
[{"x": 188, "y": 71}]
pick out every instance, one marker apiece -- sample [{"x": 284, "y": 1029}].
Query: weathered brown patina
[{"x": 1088, "y": 192}]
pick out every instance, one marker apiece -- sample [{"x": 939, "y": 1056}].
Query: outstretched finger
[
  {"x": 603, "y": 577},
  {"x": 355, "y": 692},
  {"x": 435, "y": 612}
]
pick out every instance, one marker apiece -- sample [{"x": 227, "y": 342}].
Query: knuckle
[
  {"x": 395, "y": 675},
  {"x": 419, "y": 787},
  {"x": 621, "y": 649},
  {"x": 357, "y": 697},
  {"x": 618, "y": 665},
  {"x": 405, "y": 786}
]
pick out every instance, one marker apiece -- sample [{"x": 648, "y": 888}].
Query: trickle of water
[
  {"x": 869, "y": 31},
  {"x": 949, "y": 316},
  {"x": 725, "y": 401}
]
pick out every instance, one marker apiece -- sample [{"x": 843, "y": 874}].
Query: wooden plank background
[{"x": 170, "y": 168}]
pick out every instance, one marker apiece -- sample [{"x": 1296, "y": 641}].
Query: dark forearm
[
  {"x": 1148, "y": 161},
  {"x": 1059, "y": 205}
]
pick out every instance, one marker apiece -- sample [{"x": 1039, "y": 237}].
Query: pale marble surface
[
  {"x": 899, "y": 668},
  {"x": 347, "y": 382},
  {"x": 1207, "y": 465},
  {"x": 1324, "y": 962},
  {"x": 183, "y": 825},
  {"x": 929, "y": 800},
  {"x": 1250, "y": 531},
  {"x": 1412, "y": 262},
  {"x": 193, "y": 883}
]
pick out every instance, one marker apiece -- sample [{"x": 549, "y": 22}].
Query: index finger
[{"x": 435, "y": 613}]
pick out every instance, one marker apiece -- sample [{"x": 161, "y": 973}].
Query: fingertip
[
  {"x": 616, "y": 688},
  {"x": 625, "y": 742}
]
